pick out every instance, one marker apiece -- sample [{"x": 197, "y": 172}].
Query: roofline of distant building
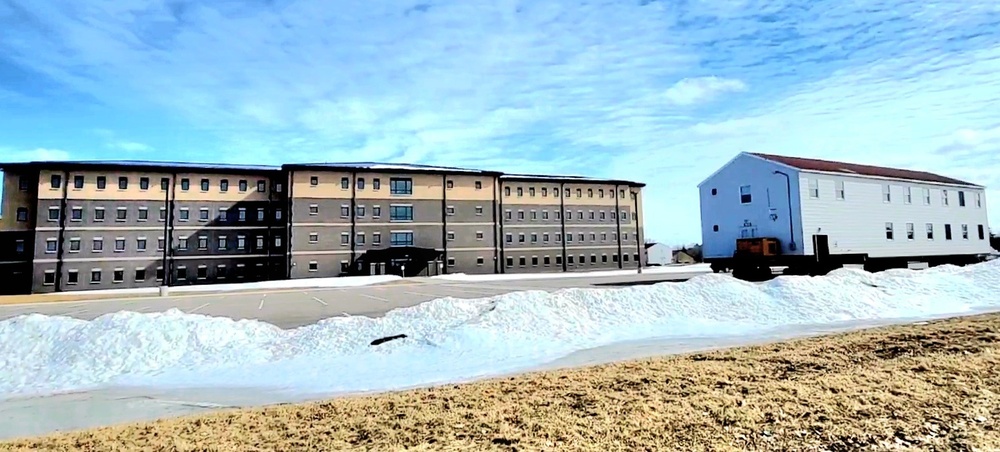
[
  {"x": 140, "y": 165},
  {"x": 164, "y": 166}
]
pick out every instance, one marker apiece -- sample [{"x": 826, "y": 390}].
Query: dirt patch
[{"x": 933, "y": 386}]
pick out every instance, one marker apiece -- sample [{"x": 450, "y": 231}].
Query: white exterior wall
[
  {"x": 856, "y": 224},
  {"x": 660, "y": 254},
  {"x": 770, "y": 196}
]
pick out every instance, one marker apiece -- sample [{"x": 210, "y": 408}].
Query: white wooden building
[
  {"x": 659, "y": 254},
  {"x": 852, "y": 209}
]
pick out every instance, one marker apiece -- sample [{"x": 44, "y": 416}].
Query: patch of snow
[
  {"x": 456, "y": 340},
  {"x": 307, "y": 283},
  {"x": 656, "y": 270}
]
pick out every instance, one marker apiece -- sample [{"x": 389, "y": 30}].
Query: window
[
  {"x": 241, "y": 242},
  {"x": 593, "y": 258},
  {"x": 277, "y": 214},
  {"x": 451, "y": 261},
  {"x": 22, "y": 183},
  {"x": 534, "y": 237},
  {"x": 450, "y": 210},
  {"x": 982, "y": 232},
  {"x": 203, "y": 214},
  {"x": 19, "y": 245},
  {"x": 944, "y": 197},
  {"x": 401, "y": 213},
  {"x": 451, "y": 235},
  {"x": 520, "y": 214},
  {"x": 53, "y": 213},
  {"x": 118, "y": 275},
  {"x": 979, "y": 200},
  {"x": 376, "y": 211},
  {"x": 345, "y": 238},
  {"x": 140, "y": 274},
  {"x": 345, "y": 211},
  {"x": 202, "y": 242},
  {"x": 182, "y": 243},
  {"x": 590, "y": 192},
  {"x": 479, "y": 260},
  {"x": 520, "y": 237},
  {"x": 182, "y": 272},
  {"x": 479, "y": 235},
  {"x": 223, "y": 214},
  {"x": 313, "y": 209},
  {"x": 313, "y": 180},
  {"x": 400, "y": 186},
  {"x": 508, "y": 214},
  {"x": 277, "y": 189},
  {"x": 591, "y": 213},
  {"x": 947, "y": 232},
  {"x": 121, "y": 214},
  {"x": 961, "y": 199},
  {"x": 510, "y": 262},
  {"x": 840, "y": 189},
  {"x": 185, "y": 214},
  {"x": 582, "y": 237},
  {"x": 76, "y": 214},
  {"x": 223, "y": 242},
  {"x": 479, "y": 210},
  {"x": 204, "y": 185},
  {"x": 401, "y": 239},
  {"x": 579, "y": 214},
  {"x": 361, "y": 183},
  {"x": 241, "y": 214},
  {"x": 95, "y": 276},
  {"x": 143, "y": 183},
  {"x": 376, "y": 238},
  {"x": 345, "y": 183},
  {"x": 123, "y": 183},
  {"x": 569, "y": 259},
  {"x": 965, "y": 232},
  {"x": 603, "y": 216},
  {"x": 120, "y": 244},
  {"x": 520, "y": 191},
  {"x": 163, "y": 214},
  {"x": 50, "y": 245},
  {"x": 261, "y": 186},
  {"x": 224, "y": 185},
  {"x": 745, "y": 195},
  {"x": 313, "y": 266},
  {"x": 888, "y": 231},
  {"x": 522, "y": 261},
  {"x": 313, "y": 237},
  {"x": 547, "y": 260},
  {"x": 243, "y": 185},
  {"x": 559, "y": 260},
  {"x": 450, "y": 184},
  {"x": 531, "y": 191},
  {"x": 160, "y": 243},
  {"x": 506, "y": 191},
  {"x": 534, "y": 261},
  {"x": 143, "y": 213},
  {"x": 509, "y": 238},
  {"x": 22, "y": 214},
  {"x": 909, "y": 231},
  {"x": 930, "y": 231},
  {"x": 927, "y": 196},
  {"x": 545, "y": 237},
  {"x": 376, "y": 184},
  {"x": 479, "y": 185},
  {"x": 72, "y": 277},
  {"x": 909, "y": 195},
  {"x": 56, "y": 181},
  {"x": 886, "y": 194},
  {"x": 97, "y": 245},
  {"x": 202, "y": 272},
  {"x": 558, "y": 237},
  {"x": 77, "y": 181},
  {"x": 360, "y": 238}
]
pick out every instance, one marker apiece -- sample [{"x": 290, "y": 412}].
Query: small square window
[
  {"x": 50, "y": 278},
  {"x": 204, "y": 185},
  {"x": 122, "y": 183},
  {"x": 313, "y": 180},
  {"x": 144, "y": 183},
  {"x": 479, "y": 186},
  {"x": 224, "y": 185}
]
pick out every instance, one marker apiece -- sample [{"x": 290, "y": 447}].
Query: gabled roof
[{"x": 829, "y": 166}]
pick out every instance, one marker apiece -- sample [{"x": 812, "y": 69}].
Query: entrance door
[{"x": 821, "y": 247}]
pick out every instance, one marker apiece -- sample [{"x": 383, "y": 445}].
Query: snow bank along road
[
  {"x": 170, "y": 356},
  {"x": 286, "y": 306}
]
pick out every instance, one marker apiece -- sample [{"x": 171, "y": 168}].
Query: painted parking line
[
  {"x": 78, "y": 311},
  {"x": 261, "y": 306},
  {"x": 198, "y": 308},
  {"x": 373, "y": 297},
  {"x": 320, "y": 301},
  {"x": 473, "y": 291}
]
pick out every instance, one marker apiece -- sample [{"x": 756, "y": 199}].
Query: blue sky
[{"x": 658, "y": 91}]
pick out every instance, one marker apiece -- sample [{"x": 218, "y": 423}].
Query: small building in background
[{"x": 659, "y": 254}]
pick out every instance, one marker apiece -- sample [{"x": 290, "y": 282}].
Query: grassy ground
[{"x": 933, "y": 386}]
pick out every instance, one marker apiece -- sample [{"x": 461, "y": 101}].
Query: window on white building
[
  {"x": 840, "y": 189},
  {"x": 745, "y": 195},
  {"x": 888, "y": 231},
  {"x": 814, "y": 188},
  {"x": 886, "y": 194}
]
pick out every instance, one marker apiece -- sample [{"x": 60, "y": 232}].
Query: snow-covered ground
[
  {"x": 455, "y": 340},
  {"x": 659, "y": 270}
]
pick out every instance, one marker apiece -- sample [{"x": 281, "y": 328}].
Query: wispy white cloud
[
  {"x": 37, "y": 154},
  {"x": 702, "y": 89},
  {"x": 657, "y": 91}
]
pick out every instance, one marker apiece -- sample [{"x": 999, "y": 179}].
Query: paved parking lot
[{"x": 290, "y": 308}]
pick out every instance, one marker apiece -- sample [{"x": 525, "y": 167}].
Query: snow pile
[{"x": 453, "y": 339}]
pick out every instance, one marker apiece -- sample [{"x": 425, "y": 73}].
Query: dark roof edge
[
  {"x": 569, "y": 179},
  {"x": 400, "y": 169},
  {"x": 156, "y": 166}
]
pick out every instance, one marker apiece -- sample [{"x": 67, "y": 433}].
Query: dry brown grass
[{"x": 928, "y": 387}]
